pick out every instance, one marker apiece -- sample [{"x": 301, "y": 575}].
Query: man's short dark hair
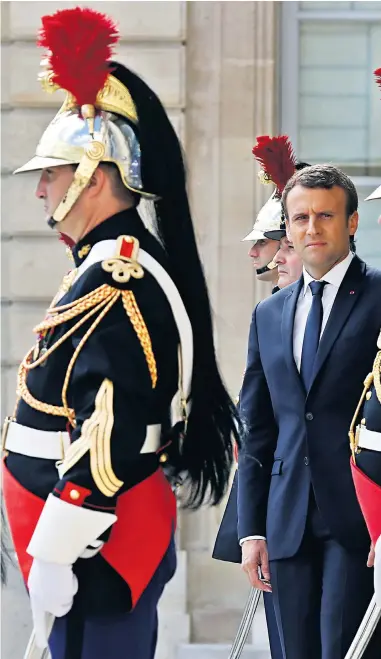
[{"x": 324, "y": 176}]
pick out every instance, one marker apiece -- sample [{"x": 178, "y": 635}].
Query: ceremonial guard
[
  {"x": 365, "y": 440},
  {"x": 121, "y": 395},
  {"x": 278, "y": 164}
]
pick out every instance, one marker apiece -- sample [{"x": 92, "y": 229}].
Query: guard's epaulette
[{"x": 124, "y": 264}]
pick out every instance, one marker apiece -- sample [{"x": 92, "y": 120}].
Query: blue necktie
[{"x": 312, "y": 332}]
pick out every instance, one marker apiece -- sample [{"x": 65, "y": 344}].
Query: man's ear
[
  {"x": 353, "y": 223},
  {"x": 97, "y": 181}
]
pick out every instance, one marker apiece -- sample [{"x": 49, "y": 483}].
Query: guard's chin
[{"x": 51, "y": 222}]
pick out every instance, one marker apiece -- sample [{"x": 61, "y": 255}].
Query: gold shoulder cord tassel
[
  {"x": 373, "y": 377},
  {"x": 377, "y": 375},
  {"x": 353, "y": 436}
]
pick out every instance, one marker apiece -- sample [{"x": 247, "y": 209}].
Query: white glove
[
  {"x": 51, "y": 589},
  {"x": 377, "y": 572}
]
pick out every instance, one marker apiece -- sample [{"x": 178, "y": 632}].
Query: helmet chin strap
[
  {"x": 90, "y": 160},
  {"x": 267, "y": 268}
]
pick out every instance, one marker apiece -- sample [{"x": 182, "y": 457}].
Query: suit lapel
[
  {"x": 287, "y": 329},
  {"x": 346, "y": 298}
]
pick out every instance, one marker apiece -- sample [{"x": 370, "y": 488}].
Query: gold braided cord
[
  {"x": 30, "y": 365},
  {"x": 24, "y": 393},
  {"x": 377, "y": 375},
  {"x": 133, "y": 312},
  {"x": 25, "y": 366},
  {"x": 59, "y": 315},
  {"x": 109, "y": 297},
  {"x": 111, "y": 302}
]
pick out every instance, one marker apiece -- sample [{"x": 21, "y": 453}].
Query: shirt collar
[
  {"x": 334, "y": 276},
  {"x": 125, "y": 222}
]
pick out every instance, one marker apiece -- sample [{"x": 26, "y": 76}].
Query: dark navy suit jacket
[{"x": 295, "y": 439}]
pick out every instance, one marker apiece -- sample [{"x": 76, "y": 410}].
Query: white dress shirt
[{"x": 333, "y": 279}]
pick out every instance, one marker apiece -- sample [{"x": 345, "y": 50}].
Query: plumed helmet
[{"x": 98, "y": 121}]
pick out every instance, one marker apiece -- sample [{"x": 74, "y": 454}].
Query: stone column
[{"x": 231, "y": 50}]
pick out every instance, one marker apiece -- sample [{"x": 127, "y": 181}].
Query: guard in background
[
  {"x": 275, "y": 156},
  {"x": 122, "y": 383},
  {"x": 365, "y": 440}
]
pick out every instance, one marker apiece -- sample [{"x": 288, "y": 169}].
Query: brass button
[
  {"x": 363, "y": 422},
  {"x": 368, "y": 395},
  {"x": 74, "y": 494},
  {"x": 163, "y": 457}
]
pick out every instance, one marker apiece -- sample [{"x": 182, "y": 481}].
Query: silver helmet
[{"x": 87, "y": 134}]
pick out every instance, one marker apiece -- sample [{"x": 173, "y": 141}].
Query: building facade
[{"x": 227, "y": 72}]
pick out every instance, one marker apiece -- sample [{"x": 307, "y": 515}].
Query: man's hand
[
  {"x": 371, "y": 556},
  {"x": 255, "y": 558}
]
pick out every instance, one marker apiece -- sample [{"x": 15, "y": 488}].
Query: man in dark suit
[
  {"x": 310, "y": 347},
  {"x": 269, "y": 238},
  {"x": 226, "y": 546}
]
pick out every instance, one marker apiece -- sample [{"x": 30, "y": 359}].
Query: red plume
[
  {"x": 276, "y": 157},
  {"x": 377, "y": 74},
  {"x": 79, "y": 43}
]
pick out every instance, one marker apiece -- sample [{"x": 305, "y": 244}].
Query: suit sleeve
[{"x": 259, "y": 442}]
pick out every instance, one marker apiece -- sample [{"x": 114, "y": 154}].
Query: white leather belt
[
  {"x": 369, "y": 439},
  {"x": 48, "y": 444},
  {"x": 52, "y": 445}
]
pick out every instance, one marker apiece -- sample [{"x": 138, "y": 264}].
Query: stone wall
[
  {"x": 231, "y": 51},
  {"x": 213, "y": 65}
]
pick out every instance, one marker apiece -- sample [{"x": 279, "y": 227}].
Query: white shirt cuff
[{"x": 251, "y": 537}]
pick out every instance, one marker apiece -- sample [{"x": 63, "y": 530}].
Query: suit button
[
  {"x": 309, "y": 416},
  {"x": 306, "y": 461}
]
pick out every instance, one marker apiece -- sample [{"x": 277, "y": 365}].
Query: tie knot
[{"x": 317, "y": 287}]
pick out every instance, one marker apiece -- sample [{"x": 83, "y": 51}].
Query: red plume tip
[
  {"x": 377, "y": 75},
  {"x": 277, "y": 158},
  {"x": 79, "y": 43}
]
